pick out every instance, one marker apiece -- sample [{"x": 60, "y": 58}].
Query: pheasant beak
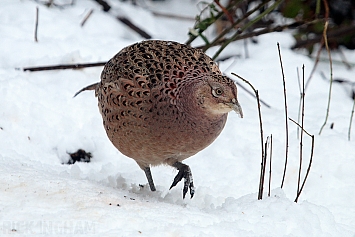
[{"x": 236, "y": 107}]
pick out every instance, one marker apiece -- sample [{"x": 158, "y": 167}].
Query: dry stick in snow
[
  {"x": 262, "y": 171},
  {"x": 36, "y": 25},
  {"x": 250, "y": 93},
  {"x": 260, "y": 123},
  {"x": 301, "y": 140},
  {"x": 134, "y": 27},
  {"x": 106, "y": 8},
  {"x": 245, "y": 27},
  {"x": 344, "y": 60},
  {"x": 299, "y": 105},
  {"x": 87, "y": 17},
  {"x": 351, "y": 119},
  {"x": 286, "y": 116},
  {"x": 315, "y": 63},
  {"x": 244, "y": 88},
  {"x": 270, "y": 165},
  {"x": 310, "y": 160},
  {"x": 225, "y": 11},
  {"x": 172, "y": 16},
  {"x": 64, "y": 66},
  {"x": 330, "y": 63},
  {"x": 266, "y": 30}
]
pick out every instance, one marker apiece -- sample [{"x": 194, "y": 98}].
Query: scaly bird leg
[
  {"x": 149, "y": 177},
  {"x": 184, "y": 172}
]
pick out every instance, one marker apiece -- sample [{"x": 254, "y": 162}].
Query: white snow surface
[{"x": 40, "y": 122}]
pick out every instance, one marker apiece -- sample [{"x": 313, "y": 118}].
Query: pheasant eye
[{"x": 217, "y": 92}]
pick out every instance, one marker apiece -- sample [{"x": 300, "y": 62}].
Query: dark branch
[{"x": 64, "y": 66}]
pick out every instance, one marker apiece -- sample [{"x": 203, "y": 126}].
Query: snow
[{"x": 40, "y": 122}]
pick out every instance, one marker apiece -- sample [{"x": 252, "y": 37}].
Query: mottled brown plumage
[{"x": 162, "y": 102}]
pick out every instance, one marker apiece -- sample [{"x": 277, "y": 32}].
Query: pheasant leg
[{"x": 184, "y": 172}]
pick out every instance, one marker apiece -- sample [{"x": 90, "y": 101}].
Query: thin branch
[
  {"x": 286, "y": 115},
  {"x": 207, "y": 24},
  {"x": 246, "y": 26},
  {"x": 130, "y": 24},
  {"x": 344, "y": 60},
  {"x": 315, "y": 63},
  {"x": 260, "y": 121},
  {"x": 64, "y": 66},
  {"x": 305, "y": 131},
  {"x": 308, "y": 170},
  {"x": 172, "y": 16},
  {"x": 266, "y": 30},
  {"x": 299, "y": 104},
  {"x": 301, "y": 139},
  {"x": 235, "y": 24},
  {"x": 246, "y": 90},
  {"x": 335, "y": 34},
  {"x": 225, "y": 11},
  {"x": 270, "y": 165},
  {"x": 310, "y": 160},
  {"x": 36, "y": 24},
  {"x": 106, "y": 8},
  {"x": 330, "y": 64},
  {"x": 51, "y": 3},
  {"x": 87, "y": 17},
  {"x": 351, "y": 119},
  {"x": 250, "y": 93},
  {"x": 262, "y": 171}
]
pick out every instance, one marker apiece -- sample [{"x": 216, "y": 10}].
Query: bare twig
[
  {"x": 64, "y": 66},
  {"x": 299, "y": 104},
  {"x": 87, "y": 17},
  {"x": 315, "y": 63},
  {"x": 270, "y": 166},
  {"x": 351, "y": 119},
  {"x": 330, "y": 64},
  {"x": 51, "y": 3},
  {"x": 225, "y": 11},
  {"x": 333, "y": 35},
  {"x": 172, "y": 16},
  {"x": 347, "y": 64},
  {"x": 266, "y": 30},
  {"x": 246, "y": 26},
  {"x": 344, "y": 60},
  {"x": 310, "y": 160},
  {"x": 262, "y": 171},
  {"x": 298, "y": 125},
  {"x": 260, "y": 123},
  {"x": 130, "y": 24},
  {"x": 301, "y": 139},
  {"x": 308, "y": 170},
  {"x": 36, "y": 24},
  {"x": 235, "y": 24},
  {"x": 246, "y": 90},
  {"x": 200, "y": 30},
  {"x": 250, "y": 93},
  {"x": 106, "y": 8},
  {"x": 286, "y": 116}
]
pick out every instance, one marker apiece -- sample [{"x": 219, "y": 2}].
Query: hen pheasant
[{"x": 162, "y": 102}]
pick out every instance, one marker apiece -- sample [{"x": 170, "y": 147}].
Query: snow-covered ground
[{"x": 40, "y": 122}]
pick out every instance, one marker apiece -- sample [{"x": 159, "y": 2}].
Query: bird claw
[{"x": 184, "y": 172}]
